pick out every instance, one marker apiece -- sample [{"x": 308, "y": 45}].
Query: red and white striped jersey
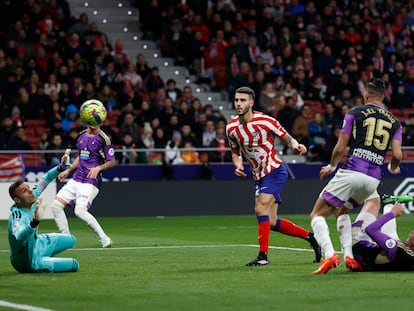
[{"x": 256, "y": 141}]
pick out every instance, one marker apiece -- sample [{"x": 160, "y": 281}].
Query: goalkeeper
[{"x": 29, "y": 251}]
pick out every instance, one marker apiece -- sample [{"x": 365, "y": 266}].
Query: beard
[{"x": 243, "y": 111}]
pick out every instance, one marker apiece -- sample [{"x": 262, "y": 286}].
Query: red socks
[
  {"x": 289, "y": 228},
  {"x": 264, "y": 232}
]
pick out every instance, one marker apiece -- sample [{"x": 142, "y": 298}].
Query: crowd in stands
[{"x": 306, "y": 60}]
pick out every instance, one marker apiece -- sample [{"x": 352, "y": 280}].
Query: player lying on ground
[
  {"x": 29, "y": 251},
  {"x": 377, "y": 247}
]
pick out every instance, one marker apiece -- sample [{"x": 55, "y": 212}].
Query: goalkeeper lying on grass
[{"x": 29, "y": 251}]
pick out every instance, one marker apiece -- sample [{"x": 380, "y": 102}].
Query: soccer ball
[{"x": 93, "y": 112}]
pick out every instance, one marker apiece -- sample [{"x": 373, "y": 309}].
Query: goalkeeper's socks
[
  {"x": 264, "y": 232},
  {"x": 289, "y": 228},
  {"x": 387, "y": 199}
]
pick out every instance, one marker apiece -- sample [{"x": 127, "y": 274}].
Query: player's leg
[
  {"x": 288, "y": 227},
  {"x": 85, "y": 196},
  {"x": 48, "y": 245},
  {"x": 63, "y": 197},
  {"x": 263, "y": 203},
  {"x": 367, "y": 215},
  {"x": 390, "y": 227},
  {"x": 320, "y": 212},
  {"x": 53, "y": 264}
]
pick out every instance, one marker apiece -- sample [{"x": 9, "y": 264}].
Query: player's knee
[
  {"x": 57, "y": 206},
  {"x": 80, "y": 209}
]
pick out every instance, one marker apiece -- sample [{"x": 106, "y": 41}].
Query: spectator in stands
[
  {"x": 18, "y": 140},
  {"x": 185, "y": 114},
  {"x": 154, "y": 81},
  {"x": 214, "y": 63},
  {"x": 56, "y": 111},
  {"x": 401, "y": 98},
  {"x": 408, "y": 132},
  {"x": 332, "y": 117},
  {"x": 128, "y": 155},
  {"x": 133, "y": 77},
  {"x": 72, "y": 112},
  {"x": 142, "y": 67},
  {"x": 209, "y": 133},
  {"x": 195, "y": 52},
  {"x": 108, "y": 97},
  {"x": 81, "y": 25},
  {"x": 268, "y": 101},
  {"x": 129, "y": 95},
  {"x": 220, "y": 143},
  {"x": 320, "y": 137},
  {"x": 147, "y": 112},
  {"x": 172, "y": 152},
  {"x": 189, "y": 154},
  {"x": 129, "y": 126},
  {"x": 65, "y": 95},
  {"x": 301, "y": 125},
  {"x": 173, "y": 125},
  {"x": 147, "y": 136},
  {"x": 56, "y": 143},
  {"x": 52, "y": 84},
  {"x": 160, "y": 140},
  {"x": 187, "y": 95},
  {"x": 72, "y": 138},
  {"x": 173, "y": 92}
]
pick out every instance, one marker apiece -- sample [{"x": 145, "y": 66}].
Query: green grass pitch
[{"x": 197, "y": 263}]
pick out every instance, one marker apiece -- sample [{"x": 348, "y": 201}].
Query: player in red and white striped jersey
[{"x": 252, "y": 137}]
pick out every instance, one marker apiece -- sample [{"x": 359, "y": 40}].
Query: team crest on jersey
[
  {"x": 255, "y": 134},
  {"x": 111, "y": 151},
  {"x": 390, "y": 243}
]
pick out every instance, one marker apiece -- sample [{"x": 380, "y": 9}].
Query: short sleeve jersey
[
  {"x": 93, "y": 151},
  {"x": 371, "y": 129},
  {"x": 256, "y": 141}
]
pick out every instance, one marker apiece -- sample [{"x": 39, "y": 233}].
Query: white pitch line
[
  {"x": 183, "y": 246},
  {"x": 19, "y": 306},
  {"x": 188, "y": 246}
]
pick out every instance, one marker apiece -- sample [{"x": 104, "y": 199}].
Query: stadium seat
[{"x": 30, "y": 123}]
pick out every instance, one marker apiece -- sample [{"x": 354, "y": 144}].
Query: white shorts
[
  {"x": 79, "y": 193},
  {"x": 350, "y": 189}
]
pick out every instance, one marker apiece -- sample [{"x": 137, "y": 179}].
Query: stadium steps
[{"x": 120, "y": 20}]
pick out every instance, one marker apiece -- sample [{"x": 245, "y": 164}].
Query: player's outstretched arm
[{"x": 294, "y": 145}]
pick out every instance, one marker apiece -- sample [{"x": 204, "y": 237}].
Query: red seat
[{"x": 34, "y": 123}]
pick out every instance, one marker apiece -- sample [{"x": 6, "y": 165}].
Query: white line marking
[
  {"x": 18, "y": 306},
  {"x": 180, "y": 246}
]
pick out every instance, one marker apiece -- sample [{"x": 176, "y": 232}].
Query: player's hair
[
  {"x": 12, "y": 188},
  {"x": 246, "y": 90},
  {"x": 376, "y": 87}
]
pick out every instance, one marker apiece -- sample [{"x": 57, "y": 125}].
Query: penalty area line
[{"x": 18, "y": 306}]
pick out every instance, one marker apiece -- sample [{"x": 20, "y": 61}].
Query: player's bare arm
[
  {"x": 394, "y": 165},
  {"x": 238, "y": 163},
  {"x": 62, "y": 176},
  {"x": 337, "y": 153},
  {"x": 294, "y": 145}
]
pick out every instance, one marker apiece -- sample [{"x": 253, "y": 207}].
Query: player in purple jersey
[
  {"x": 368, "y": 131},
  {"x": 382, "y": 250},
  {"x": 95, "y": 154}
]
